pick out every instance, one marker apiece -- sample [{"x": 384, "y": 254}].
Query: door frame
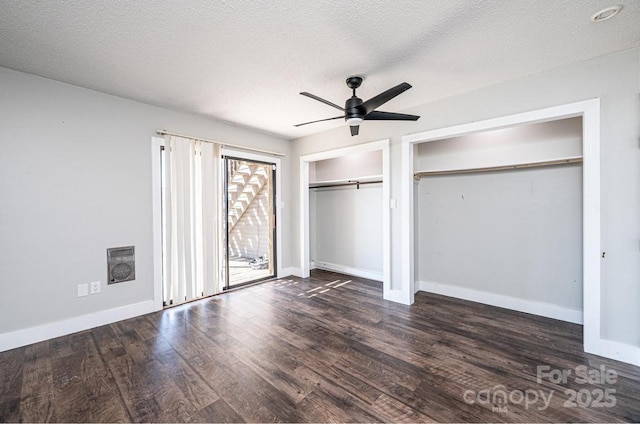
[
  {"x": 589, "y": 110},
  {"x": 225, "y": 211},
  {"x": 157, "y": 143},
  {"x": 241, "y": 154}
]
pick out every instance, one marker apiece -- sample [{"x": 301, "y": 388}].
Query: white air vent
[{"x": 121, "y": 264}]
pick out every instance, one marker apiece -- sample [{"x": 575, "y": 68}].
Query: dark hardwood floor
[{"x": 322, "y": 349}]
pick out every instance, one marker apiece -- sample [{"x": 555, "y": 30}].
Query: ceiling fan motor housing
[{"x": 352, "y": 108}]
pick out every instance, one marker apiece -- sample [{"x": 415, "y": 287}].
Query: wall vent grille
[{"x": 121, "y": 264}]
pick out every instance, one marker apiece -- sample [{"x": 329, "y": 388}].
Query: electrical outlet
[
  {"x": 83, "y": 290},
  {"x": 95, "y": 287}
]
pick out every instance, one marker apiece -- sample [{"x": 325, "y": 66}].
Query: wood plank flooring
[{"x": 322, "y": 349}]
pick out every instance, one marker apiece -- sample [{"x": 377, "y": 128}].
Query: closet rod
[
  {"x": 419, "y": 175},
  {"x": 235, "y": 146},
  {"x": 350, "y": 183}
]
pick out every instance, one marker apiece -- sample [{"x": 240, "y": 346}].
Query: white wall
[
  {"x": 312, "y": 172},
  {"x": 75, "y": 179},
  {"x": 615, "y": 79},
  {"x": 348, "y": 167},
  {"x": 525, "y": 143}
]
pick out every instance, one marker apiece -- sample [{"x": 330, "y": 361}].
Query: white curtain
[{"x": 191, "y": 211}]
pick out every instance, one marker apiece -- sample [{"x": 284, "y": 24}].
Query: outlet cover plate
[{"x": 95, "y": 287}]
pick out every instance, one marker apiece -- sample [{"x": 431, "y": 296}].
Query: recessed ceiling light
[{"x": 605, "y": 14}]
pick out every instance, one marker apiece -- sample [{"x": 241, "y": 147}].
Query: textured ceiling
[{"x": 245, "y": 61}]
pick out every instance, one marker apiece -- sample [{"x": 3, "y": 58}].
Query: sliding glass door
[{"x": 250, "y": 227}]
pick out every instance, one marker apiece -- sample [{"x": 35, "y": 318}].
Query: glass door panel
[{"x": 250, "y": 221}]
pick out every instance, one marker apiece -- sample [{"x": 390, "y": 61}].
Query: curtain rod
[
  {"x": 556, "y": 162},
  {"x": 235, "y": 146}
]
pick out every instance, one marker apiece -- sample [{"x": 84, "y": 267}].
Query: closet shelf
[{"x": 554, "y": 162}]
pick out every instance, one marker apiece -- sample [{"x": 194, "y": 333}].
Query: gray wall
[
  {"x": 347, "y": 227},
  {"x": 615, "y": 79},
  {"x": 75, "y": 178},
  {"x": 515, "y": 233}
]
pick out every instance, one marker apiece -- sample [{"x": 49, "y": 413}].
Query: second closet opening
[{"x": 345, "y": 217}]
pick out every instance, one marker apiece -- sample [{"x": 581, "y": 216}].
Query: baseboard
[
  {"x": 356, "y": 272},
  {"x": 48, "y": 331},
  {"x": 286, "y": 272},
  {"x": 620, "y": 351},
  {"x": 522, "y": 305}
]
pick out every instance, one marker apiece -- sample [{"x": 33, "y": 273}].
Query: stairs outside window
[{"x": 250, "y": 221}]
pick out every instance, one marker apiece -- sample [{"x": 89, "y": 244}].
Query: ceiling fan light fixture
[
  {"x": 354, "y": 122},
  {"x": 605, "y": 14}
]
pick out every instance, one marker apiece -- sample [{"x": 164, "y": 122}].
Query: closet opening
[
  {"x": 414, "y": 227},
  {"x": 499, "y": 218},
  {"x": 345, "y": 217}
]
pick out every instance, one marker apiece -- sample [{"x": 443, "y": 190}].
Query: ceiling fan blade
[
  {"x": 320, "y": 99},
  {"x": 377, "y": 115},
  {"x": 354, "y": 129},
  {"x": 320, "y": 120},
  {"x": 384, "y": 97}
]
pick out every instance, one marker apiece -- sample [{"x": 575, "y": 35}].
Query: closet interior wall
[{"x": 345, "y": 219}]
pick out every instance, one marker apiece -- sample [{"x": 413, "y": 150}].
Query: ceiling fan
[{"x": 355, "y": 110}]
